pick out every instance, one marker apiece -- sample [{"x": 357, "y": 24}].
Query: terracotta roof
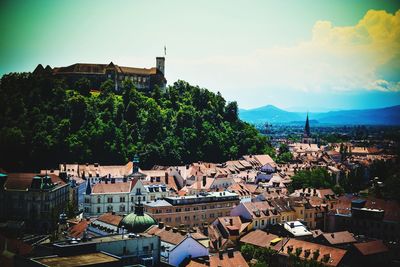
[
  {"x": 165, "y": 235},
  {"x": 101, "y": 69},
  {"x": 78, "y": 229},
  {"x": 110, "y": 218},
  {"x": 19, "y": 181},
  {"x": 23, "y": 181},
  {"x": 265, "y": 159},
  {"x": 260, "y": 238},
  {"x": 103, "y": 188},
  {"x": 371, "y": 247},
  {"x": 235, "y": 260},
  {"x": 339, "y": 237},
  {"x": 237, "y": 224},
  {"x": 335, "y": 254}
]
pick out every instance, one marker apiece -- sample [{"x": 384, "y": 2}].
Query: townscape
[
  {"x": 267, "y": 136},
  {"x": 243, "y": 212}
]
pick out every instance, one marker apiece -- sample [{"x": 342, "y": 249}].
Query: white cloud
[{"x": 335, "y": 58}]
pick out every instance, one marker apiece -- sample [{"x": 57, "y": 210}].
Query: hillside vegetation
[{"x": 43, "y": 123}]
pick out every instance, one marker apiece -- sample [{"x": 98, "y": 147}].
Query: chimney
[
  {"x": 166, "y": 178},
  {"x": 231, "y": 221},
  {"x": 333, "y": 235},
  {"x": 161, "y": 225},
  {"x": 204, "y": 180},
  {"x": 174, "y": 229}
]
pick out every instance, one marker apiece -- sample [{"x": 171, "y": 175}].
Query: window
[
  {"x": 122, "y": 208},
  {"x": 262, "y": 222},
  {"x": 98, "y": 209},
  {"x": 98, "y": 200},
  {"x": 256, "y": 223},
  {"x": 109, "y": 200},
  {"x": 87, "y": 200},
  {"x": 187, "y": 209},
  {"x": 122, "y": 199},
  {"x": 138, "y": 191},
  {"x": 178, "y": 210},
  {"x": 86, "y": 209},
  {"x": 212, "y": 215},
  {"x": 109, "y": 209}
]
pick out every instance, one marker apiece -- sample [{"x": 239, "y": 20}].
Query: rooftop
[{"x": 78, "y": 260}]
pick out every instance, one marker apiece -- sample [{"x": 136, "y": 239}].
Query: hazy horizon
[{"x": 309, "y": 55}]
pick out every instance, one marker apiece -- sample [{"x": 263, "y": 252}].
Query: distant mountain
[
  {"x": 272, "y": 114},
  {"x": 269, "y": 114}
]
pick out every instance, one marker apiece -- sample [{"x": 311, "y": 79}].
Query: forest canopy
[{"x": 44, "y": 123}]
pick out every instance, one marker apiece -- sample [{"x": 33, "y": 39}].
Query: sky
[{"x": 298, "y": 55}]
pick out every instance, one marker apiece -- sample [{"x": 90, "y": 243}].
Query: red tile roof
[
  {"x": 335, "y": 254},
  {"x": 371, "y": 247},
  {"x": 235, "y": 260},
  {"x": 110, "y": 218},
  {"x": 103, "y": 188},
  {"x": 23, "y": 181},
  {"x": 260, "y": 238},
  {"x": 339, "y": 237},
  {"x": 78, "y": 229}
]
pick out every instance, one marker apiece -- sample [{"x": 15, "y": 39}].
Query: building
[
  {"x": 230, "y": 258},
  {"x": 192, "y": 210},
  {"x": 328, "y": 256},
  {"x": 118, "y": 197},
  {"x": 34, "y": 198},
  {"x": 127, "y": 248},
  {"x": 144, "y": 79},
  {"x": 373, "y": 217},
  {"x": 225, "y": 231},
  {"x": 179, "y": 245},
  {"x": 263, "y": 239}
]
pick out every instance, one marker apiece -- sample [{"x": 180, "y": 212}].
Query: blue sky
[{"x": 298, "y": 55}]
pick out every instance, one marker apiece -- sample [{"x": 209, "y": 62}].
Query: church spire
[{"x": 307, "y": 132}]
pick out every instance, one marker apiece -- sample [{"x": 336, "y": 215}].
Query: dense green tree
[{"x": 43, "y": 123}]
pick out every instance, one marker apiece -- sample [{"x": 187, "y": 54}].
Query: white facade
[{"x": 121, "y": 203}]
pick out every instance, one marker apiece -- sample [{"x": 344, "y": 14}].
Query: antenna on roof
[{"x": 165, "y": 50}]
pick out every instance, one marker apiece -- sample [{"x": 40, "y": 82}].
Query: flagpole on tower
[{"x": 165, "y": 50}]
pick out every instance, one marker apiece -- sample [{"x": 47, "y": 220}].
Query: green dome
[{"x": 137, "y": 223}]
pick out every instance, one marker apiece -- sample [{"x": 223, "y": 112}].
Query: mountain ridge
[{"x": 374, "y": 116}]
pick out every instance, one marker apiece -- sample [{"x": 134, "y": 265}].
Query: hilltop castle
[{"x": 144, "y": 79}]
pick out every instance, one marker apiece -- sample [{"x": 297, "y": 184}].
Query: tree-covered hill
[{"x": 43, "y": 123}]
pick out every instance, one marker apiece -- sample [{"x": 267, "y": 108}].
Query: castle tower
[{"x": 160, "y": 64}]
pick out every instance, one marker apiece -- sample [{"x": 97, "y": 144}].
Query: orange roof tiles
[
  {"x": 235, "y": 260},
  {"x": 335, "y": 254},
  {"x": 339, "y": 237},
  {"x": 78, "y": 229},
  {"x": 260, "y": 238},
  {"x": 103, "y": 188},
  {"x": 110, "y": 218},
  {"x": 371, "y": 247}
]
